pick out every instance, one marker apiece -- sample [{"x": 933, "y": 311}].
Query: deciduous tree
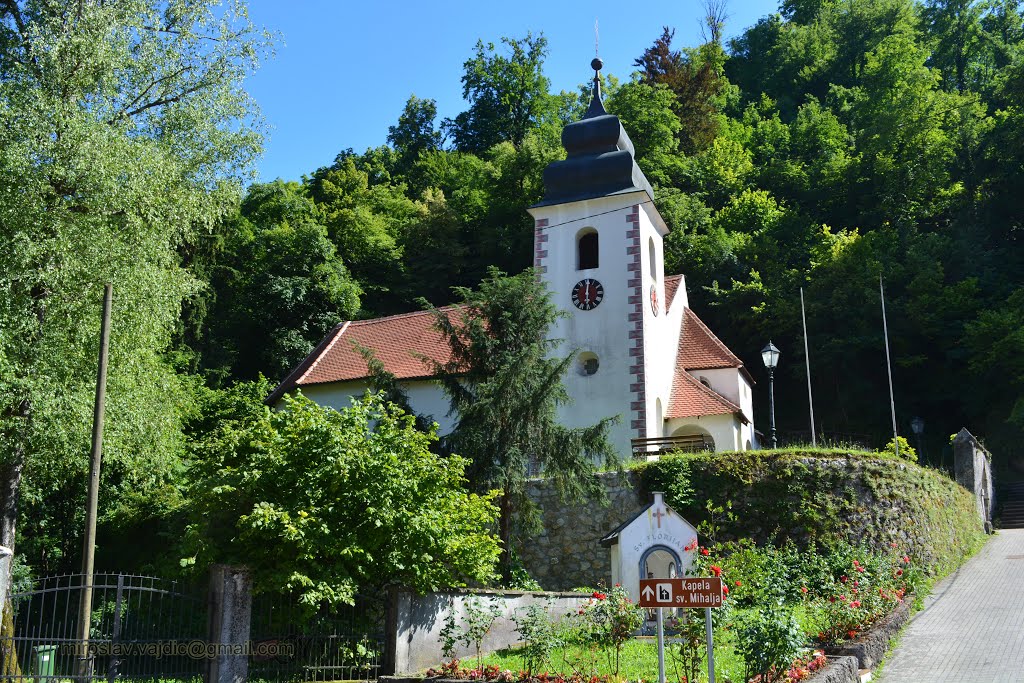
[{"x": 322, "y": 503}]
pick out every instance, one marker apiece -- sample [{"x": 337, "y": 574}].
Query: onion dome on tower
[{"x": 599, "y": 159}]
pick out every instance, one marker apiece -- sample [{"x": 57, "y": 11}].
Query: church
[{"x": 644, "y": 355}]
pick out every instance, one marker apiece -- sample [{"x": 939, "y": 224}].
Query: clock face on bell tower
[{"x": 587, "y": 294}]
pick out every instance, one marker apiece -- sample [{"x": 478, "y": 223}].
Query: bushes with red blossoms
[{"x": 866, "y": 589}]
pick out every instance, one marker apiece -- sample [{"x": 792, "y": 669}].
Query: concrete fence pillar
[
  {"x": 6, "y": 559},
  {"x": 229, "y": 613},
  {"x": 972, "y": 468}
]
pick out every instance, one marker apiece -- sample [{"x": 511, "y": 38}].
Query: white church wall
[
  {"x": 723, "y": 429},
  {"x": 732, "y": 384},
  {"x": 425, "y": 397},
  {"x": 661, "y": 331},
  {"x": 602, "y": 331},
  {"x": 726, "y": 381}
]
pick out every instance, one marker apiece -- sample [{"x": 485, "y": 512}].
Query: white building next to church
[{"x": 598, "y": 246}]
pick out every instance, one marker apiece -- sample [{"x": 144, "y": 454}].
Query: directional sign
[{"x": 681, "y": 592}]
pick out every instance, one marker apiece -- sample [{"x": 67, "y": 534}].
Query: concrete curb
[{"x": 870, "y": 648}]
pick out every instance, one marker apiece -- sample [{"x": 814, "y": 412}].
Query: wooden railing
[{"x": 663, "y": 444}]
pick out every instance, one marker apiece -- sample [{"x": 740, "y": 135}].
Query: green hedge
[{"x": 820, "y": 496}]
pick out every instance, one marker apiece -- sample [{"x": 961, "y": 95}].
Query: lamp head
[
  {"x": 770, "y": 356},
  {"x": 917, "y": 425}
]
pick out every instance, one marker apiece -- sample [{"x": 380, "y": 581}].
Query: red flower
[
  {"x": 843, "y": 598},
  {"x": 844, "y": 579},
  {"x": 860, "y": 569},
  {"x": 899, "y": 572},
  {"x": 851, "y": 633},
  {"x": 716, "y": 570},
  {"x": 600, "y": 596},
  {"x": 855, "y": 604},
  {"x": 725, "y": 590},
  {"x": 692, "y": 545},
  {"x": 803, "y": 589},
  {"x": 739, "y": 583},
  {"x": 906, "y": 560},
  {"x": 856, "y": 563},
  {"x": 705, "y": 552}
]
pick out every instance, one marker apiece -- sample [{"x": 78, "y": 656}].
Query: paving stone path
[{"x": 971, "y": 629}]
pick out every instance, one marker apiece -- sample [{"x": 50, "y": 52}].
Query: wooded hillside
[{"x": 829, "y": 144}]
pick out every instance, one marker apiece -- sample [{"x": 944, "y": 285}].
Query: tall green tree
[
  {"x": 696, "y": 80},
  {"x": 415, "y": 131},
  {"x": 504, "y": 382},
  {"x": 507, "y": 95},
  {"x": 281, "y": 287},
  {"x": 126, "y": 134}
]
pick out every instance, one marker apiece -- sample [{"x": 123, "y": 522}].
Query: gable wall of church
[{"x": 426, "y": 398}]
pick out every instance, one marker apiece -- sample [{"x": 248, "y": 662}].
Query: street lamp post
[
  {"x": 917, "y": 426},
  {"x": 770, "y": 356}
]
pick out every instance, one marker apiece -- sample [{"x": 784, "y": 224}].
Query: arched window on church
[
  {"x": 650, "y": 259},
  {"x": 586, "y": 249}
]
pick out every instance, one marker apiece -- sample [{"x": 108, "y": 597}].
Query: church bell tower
[{"x": 598, "y": 247}]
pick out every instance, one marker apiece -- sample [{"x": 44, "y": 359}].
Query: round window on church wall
[{"x": 588, "y": 363}]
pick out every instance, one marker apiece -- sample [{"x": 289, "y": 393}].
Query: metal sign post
[
  {"x": 690, "y": 592},
  {"x": 661, "y": 646},
  {"x": 711, "y": 645}
]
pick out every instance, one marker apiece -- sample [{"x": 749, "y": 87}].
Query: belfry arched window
[
  {"x": 651, "y": 257},
  {"x": 586, "y": 249}
]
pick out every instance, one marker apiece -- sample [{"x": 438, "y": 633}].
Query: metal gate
[
  {"x": 293, "y": 644},
  {"x": 142, "y": 627}
]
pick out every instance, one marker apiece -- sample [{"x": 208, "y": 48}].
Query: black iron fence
[
  {"x": 152, "y": 629},
  {"x": 142, "y": 628},
  {"x": 299, "y": 644},
  {"x": 826, "y": 439}
]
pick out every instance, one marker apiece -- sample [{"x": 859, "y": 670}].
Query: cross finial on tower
[{"x": 596, "y": 107}]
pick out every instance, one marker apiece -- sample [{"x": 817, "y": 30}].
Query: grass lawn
[
  {"x": 639, "y": 657},
  {"x": 639, "y": 660}
]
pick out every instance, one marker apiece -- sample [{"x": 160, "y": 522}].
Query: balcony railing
[{"x": 691, "y": 443}]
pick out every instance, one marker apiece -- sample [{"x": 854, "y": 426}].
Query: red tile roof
[
  {"x": 399, "y": 342},
  {"x": 690, "y": 398},
  {"x": 671, "y": 287},
  {"x": 700, "y": 349}
]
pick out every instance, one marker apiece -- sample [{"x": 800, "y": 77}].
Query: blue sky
[{"x": 343, "y": 70}]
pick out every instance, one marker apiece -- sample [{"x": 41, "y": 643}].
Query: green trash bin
[{"x": 44, "y": 661}]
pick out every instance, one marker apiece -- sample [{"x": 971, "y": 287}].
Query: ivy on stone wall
[{"x": 821, "y": 496}]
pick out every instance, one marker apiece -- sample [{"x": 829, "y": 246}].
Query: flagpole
[
  {"x": 807, "y": 362},
  {"x": 888, "y": 368}
]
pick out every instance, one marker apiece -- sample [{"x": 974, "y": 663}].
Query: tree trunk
[
  {"x": 505, "y": 534},
  {"x": 10, "y": 490}
]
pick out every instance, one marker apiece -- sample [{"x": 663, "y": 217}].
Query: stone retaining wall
[
  {"x": 567, "y": 555},
  {"x": 775, "y": 496}
]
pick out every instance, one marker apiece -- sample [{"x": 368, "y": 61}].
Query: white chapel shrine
[{"x": 598, "y": 246}]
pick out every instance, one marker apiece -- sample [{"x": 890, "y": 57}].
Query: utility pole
[
  {"x": 888, "y": 368},
  {"x": 96, "y": 457},
  {"x": 807, "y": 362}
]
